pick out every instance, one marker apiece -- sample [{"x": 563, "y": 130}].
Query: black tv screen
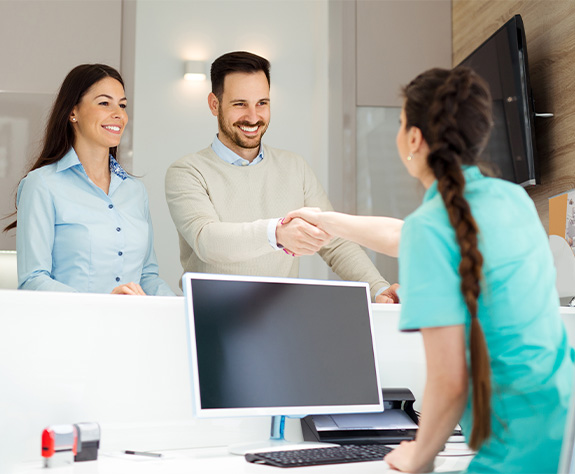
[{"x": 502, "y": 61}]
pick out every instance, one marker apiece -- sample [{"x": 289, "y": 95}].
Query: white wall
[
  {"x": 171, "y": 116},
  {"x": 42, "y": 40}
]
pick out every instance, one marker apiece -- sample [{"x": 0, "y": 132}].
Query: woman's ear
[
  {"x": 415, "y": 139},
  {"x": 416, "y": 142}
]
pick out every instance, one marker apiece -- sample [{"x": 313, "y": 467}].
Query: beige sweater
[{"x": 222, "y": 211}]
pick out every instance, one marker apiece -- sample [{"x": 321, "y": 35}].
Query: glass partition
[
  {"x": 22, "y": 120},
  {"x": 384, "y": 188}
]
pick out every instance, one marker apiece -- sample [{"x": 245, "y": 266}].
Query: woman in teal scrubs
[{"x": 477, "y": 279}]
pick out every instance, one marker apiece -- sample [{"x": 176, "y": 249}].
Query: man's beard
[{"x": 236, "y": 136}]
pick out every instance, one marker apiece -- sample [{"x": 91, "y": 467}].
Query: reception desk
[{"x": 122, "y": 361}]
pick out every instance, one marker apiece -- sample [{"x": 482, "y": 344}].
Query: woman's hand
[
  {"x": 299, "y": 237},
  {"x": 309, "y": 214},
  {"x": 129, "y": 289},
  {"x": 381, "y": 234},
  {"x": 404, "y": 458}
]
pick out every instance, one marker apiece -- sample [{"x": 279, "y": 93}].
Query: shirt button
[
  {"x": 118, "y": 229},
  {"x": 110, "y": 206},
  {"x": 117, "y": 278},
  {"x": 120, "y": 253}
]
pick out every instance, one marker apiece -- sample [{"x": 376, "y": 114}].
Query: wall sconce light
[{"x": 194, "y": 70}]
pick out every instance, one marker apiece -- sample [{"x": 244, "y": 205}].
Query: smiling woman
[
  {"x": 83, "y": 223},
  {"x": 98, "y": 122}
]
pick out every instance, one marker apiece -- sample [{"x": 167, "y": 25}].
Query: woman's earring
[
  {"x": 410, "y": 157},
  {"x": 73, "y": 119}
]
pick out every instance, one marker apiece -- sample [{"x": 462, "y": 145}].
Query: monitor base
[
  {"x": 274, "y": 445},
  {"x": 276, "y": 441}
]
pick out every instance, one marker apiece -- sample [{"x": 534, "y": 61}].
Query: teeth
[
  {"x": 249, "y": 129},
  {"x": 112, "y": 127}
]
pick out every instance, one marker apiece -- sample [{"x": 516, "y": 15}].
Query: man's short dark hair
[{"x": 237, "y": 61}]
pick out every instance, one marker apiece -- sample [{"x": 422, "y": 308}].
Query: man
[{"x": 227, "y": 201}]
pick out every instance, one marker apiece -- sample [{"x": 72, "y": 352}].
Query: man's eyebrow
[{"x": 246, "y": 100}]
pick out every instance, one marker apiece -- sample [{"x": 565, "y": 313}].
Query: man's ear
[{"x": 213, "y": 103}]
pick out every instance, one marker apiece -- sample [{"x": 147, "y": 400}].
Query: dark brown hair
[
  {"x": 452, "y": 108},
  {"x": 59, "y": 136},
  {"x": 238, "y": 61}
]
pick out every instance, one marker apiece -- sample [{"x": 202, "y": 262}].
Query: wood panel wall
[{"x": 550, "y": 36}]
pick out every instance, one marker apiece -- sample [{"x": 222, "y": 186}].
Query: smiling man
[{"x": 228, "y": 200}]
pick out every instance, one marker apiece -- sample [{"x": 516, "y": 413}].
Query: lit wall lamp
[{"x": 194, "y": 70}]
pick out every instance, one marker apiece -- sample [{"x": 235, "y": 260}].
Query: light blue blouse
[
  {"x": 72, "y": 236},
  {"x": 531, "y": 360}
]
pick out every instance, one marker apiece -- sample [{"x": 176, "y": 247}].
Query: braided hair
[{"x": 452, "y": 108}]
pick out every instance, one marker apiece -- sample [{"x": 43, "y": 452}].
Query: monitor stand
[{"x": 276, "y": 441}]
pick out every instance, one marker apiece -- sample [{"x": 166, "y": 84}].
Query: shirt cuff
[
  {"x": 272, "y": 224},
  {"x": 380, "y": 291}
]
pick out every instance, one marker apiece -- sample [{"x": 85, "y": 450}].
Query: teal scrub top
[{"x": 531, "y": 359}]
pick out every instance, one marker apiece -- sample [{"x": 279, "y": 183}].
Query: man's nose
[{"x": 252, "y": 114}]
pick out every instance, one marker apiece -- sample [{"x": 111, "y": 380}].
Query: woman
[
  {"x": 83, "y": 223},
  {"x": 477, "y": 279}
]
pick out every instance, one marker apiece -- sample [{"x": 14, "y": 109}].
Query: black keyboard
[{"x": 316, "y": 456}]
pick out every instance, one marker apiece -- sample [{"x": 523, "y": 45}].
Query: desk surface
[
  {"x": 123, "y": 362},
  {"x": 217, "y": 461}
]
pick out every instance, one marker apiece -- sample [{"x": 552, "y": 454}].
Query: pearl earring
[
  {"x": 410, "y": 157},
  {"x": 73, "y": 119}
]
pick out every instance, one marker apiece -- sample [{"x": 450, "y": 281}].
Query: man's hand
[
  {"x": 388, "y": 296},
  {"x": 299, "y": 237},
  {"x": 129, "y": 289}
]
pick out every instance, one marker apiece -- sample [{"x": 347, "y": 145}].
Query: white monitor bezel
[{"x": 270, "y": 411}]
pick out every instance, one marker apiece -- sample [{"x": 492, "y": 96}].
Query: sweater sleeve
[
  {"x": 198, "y": 223},
  {"x": 345, "y": 258}
]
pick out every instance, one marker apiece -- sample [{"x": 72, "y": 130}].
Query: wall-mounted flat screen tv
[{"x": 502, "y": 61}]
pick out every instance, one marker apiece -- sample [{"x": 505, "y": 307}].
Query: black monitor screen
[
  {"x": 281, "y": 343},
  {"x": 502, "y": 61}
]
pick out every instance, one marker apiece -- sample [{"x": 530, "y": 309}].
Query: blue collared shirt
[
  {"x": 233, "y": 158},
  {"x": 72, "y": 236}
]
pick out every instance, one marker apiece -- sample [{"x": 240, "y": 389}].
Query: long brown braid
[{"x": 452, "y": 108}]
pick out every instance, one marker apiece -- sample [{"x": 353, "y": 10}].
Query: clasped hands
[
  {"x": 304, "y": 232},
  {"x": 130, "y": 288},
  {"x": 300, "y": 233}
]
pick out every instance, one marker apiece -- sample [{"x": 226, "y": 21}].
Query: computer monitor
[{"x": 280, "y": 346}]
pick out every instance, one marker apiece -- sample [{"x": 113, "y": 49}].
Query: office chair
[{"x": 8, "y": 270}]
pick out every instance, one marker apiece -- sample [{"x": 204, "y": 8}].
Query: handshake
[
  {"x": 305, "y": 231},
  {"x": 300, "y": 232}
]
